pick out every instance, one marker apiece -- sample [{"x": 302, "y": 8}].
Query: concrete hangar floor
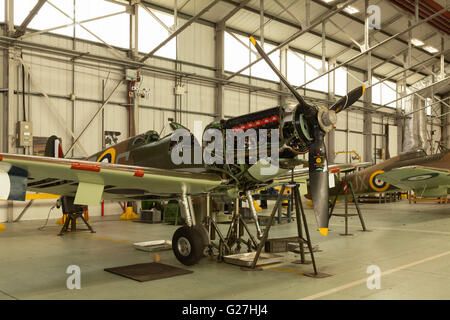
[{"x": 409, "y": 243}]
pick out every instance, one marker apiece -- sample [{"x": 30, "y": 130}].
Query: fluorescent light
[
  {"x": 431, "y": 49},
  {"x": 417, "y": 42},
  {"x": 351, "y": 10},
  {"x": 327, "y": 1}
]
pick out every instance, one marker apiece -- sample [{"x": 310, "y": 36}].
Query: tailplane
[{"x": 53, "y": 148}]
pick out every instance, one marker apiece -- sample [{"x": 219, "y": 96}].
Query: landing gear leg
[{"x": 189, "y": 242}]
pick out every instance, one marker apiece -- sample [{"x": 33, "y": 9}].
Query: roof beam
[
  {"x": 21, "y": 29},
  {"x": 329, "y": 7},
  {"x": 376, "y": 46},
  {"x": 415, "y": 92},
  {"x": 348, "y": 46},
  {"x": 241, "y": 5}
]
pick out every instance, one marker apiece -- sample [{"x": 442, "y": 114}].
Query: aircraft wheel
[{"x": 187, "y": 245}]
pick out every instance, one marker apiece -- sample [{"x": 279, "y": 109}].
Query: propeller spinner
[{"x": 320, "y": 121}]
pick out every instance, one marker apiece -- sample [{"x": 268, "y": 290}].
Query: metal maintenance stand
[
  {"x": 300, "y": 217},
  {"x": 72, "y": 221},
  {"x": 232, "y": 242},
  {"x": 346, "y": 214},
  {"x": 73, "y": 212}
]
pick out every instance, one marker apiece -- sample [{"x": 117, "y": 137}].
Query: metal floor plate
[
  {"x": 246, "y": 259},
  {"x": 156, "y": 245}
]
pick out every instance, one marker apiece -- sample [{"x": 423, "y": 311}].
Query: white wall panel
[
  {"x": 340, "y": 145},
  {"x": 356, "y": 142},
  {"x": 393, "y": 141},
  {"x": 236, "y": 102},
  {"x": 47, "y": 123},
  {"x": 91, "y": 140}
]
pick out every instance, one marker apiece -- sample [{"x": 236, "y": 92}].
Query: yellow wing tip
[
  {"x": 323, "y": 231},
  {"x": 363, "y": 89},
  {"x": 253, "y": 40}
]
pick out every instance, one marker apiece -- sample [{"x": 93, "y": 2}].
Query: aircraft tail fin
[{"x": 53, "y": 148}]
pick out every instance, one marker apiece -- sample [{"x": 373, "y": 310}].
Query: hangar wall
[{"x": 59, "y": 77}]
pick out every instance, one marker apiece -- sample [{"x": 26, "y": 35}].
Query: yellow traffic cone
[
  {"x": 2, "y": 227},
  {"x": 129, "y": 214},
  {"x": 62, "y": 220},
  {"x": 257, "y": 207}
]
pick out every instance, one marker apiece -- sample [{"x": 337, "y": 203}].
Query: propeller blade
[
  {"x": 348, "y": 100},
  {"x": 277, "y": 72},
  {"x": 318, "y": 179}
]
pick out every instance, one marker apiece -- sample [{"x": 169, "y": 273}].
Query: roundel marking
[
  {"x": 108, "y": 156},
  {"x": 421, "y": 177},
  {"x": 376, "y": 183}
]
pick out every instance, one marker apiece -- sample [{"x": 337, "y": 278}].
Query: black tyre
[
  {"x": 187, "y": 245},
  {"x": 205, "y": 238}
]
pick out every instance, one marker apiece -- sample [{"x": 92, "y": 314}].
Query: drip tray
[
  {"x": 246, "y": 259},
  {"x": 156, "y": 245}
]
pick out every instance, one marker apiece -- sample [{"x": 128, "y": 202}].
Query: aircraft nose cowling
[{"x": 327, "y": 119}]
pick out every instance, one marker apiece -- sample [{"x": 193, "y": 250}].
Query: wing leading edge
[
  {"x": 90, "y": 182},
  {"x": 421, "y": 179}
]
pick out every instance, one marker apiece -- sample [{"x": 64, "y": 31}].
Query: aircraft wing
[
  {"x": 90, "y": 182},
  {"x": 302, "y": 174},
  {"x": 417, "y": 177}
]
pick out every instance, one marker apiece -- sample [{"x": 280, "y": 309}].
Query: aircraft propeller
[{"x": 320, "y": 120}]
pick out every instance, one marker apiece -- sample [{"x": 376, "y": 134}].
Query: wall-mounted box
[{"x": 25, "y": 134}]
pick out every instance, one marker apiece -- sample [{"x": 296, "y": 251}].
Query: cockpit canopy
[{"x": 148, "y": 137}]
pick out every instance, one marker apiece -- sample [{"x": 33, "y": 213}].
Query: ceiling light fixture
[
  {"x": 351, "y": 10},
  {"x": 431, "y": 49},
  {"x": 417, "y": 42}
]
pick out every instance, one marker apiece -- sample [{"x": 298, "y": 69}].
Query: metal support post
[
  {"x": 251, "y": 204},
  {"x": 346, "y": 215},
  {"x": 355, "y": 200},
  {"x": 266, "y": 230}
]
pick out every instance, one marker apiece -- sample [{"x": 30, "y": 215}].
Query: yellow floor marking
[
  {"x": 102, "y": 238},
  {"x": 278, "y": 268},
  {"x": 355, "y": 283}
]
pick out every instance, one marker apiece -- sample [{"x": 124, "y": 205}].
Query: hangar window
[
  {"x": 376, "y": 91},
  {"x": 314, "y": 69},
  {"x": 152, "y": 33},
  {"x": 388, "y": 93},
  {"x": 383, "y": 93},
  {"x": 429, "y": 102},
  {"x": 261, "y": 69},
  {"x": 41, "y": 20},
  {"x": 295, "y": 68},
  {"x": 236, "y": 55},
  {"x": 2, "y": 11},
  {"x": 114, "y": 30},
  {"x": 340, "y": 81}
]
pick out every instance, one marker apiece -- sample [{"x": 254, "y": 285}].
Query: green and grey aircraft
[
  {"x": 141, "y": 167},
  {"x": 426, "y": 175}
]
